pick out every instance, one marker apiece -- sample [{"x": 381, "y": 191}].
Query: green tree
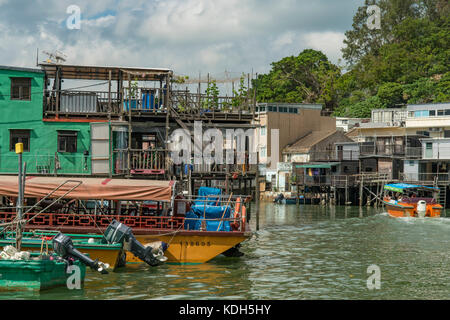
[
  {"x": 240, "y": 96},
  {"x": 309, "y": 77},
  {"x": 212, "y": 96},
  {"x": 390, "y": 94}
]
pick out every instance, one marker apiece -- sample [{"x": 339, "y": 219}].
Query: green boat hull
[{"x": 36, "y": 274}]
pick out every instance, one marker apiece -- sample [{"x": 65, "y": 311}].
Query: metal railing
[
  {"x": 385, "y": 150},
  {"x": 333, "y": 155},
  {"x": 185, "y": 102},
  {"x": 81, "y": 102},
  {"x": 414, "y": 152},
  {"x": 340, "y": 180},
  {"x": 137, "y": 160},
  {"x": 425, "y": 178}
]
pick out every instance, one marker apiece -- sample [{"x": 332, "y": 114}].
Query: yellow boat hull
[{"x": 191, "y": 249}]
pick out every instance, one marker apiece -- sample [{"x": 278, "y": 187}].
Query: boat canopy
[
  {"x": 90, "y": 188},
  {"x": 318, "y": 165},
  {"x": 401, "y": 187}
]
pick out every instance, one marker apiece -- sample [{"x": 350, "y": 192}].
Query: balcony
[
  {"x": 100, "y": 103},
  {"x": 333, "y": 155},
  {"x": 144, "y": 102},
  {"x": 382, "y": 150},
  {"x": 221, "y": 169},
  {"x": 197, "y": 105},
  {"x": 426, "y": 178},
  {"x": 146, "y": 162},
  {"x": 414, "y": 152}
]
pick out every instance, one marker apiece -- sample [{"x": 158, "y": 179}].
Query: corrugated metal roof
[{"x": 304, "y": 144}]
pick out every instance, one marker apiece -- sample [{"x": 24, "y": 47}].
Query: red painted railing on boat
[{"x": 96, "y": 221}]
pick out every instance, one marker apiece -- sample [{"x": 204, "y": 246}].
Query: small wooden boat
[
  {"x": 280, "y": 199},
  {"x": 36, "y": 273},
  {"x": 407, "y": 200}
]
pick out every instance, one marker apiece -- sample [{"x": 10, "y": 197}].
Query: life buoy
[
  {"x": 236, "y": 214},
  {"x": 244, "y": 217},
  {"x": 237, "y": 208}
]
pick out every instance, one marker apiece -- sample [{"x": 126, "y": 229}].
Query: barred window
[
  {"x": 67, "y": 141},
  {"x": 20, "y": 88},
  {"x": 19, "y": 136}
]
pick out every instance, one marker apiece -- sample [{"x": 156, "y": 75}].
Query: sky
[{"x": 187, "y": 36}]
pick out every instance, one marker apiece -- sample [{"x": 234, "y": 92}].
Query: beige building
[{"x": 293, "y": 121}]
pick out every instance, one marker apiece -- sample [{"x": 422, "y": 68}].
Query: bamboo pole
[{"x": 225, "y": 210}]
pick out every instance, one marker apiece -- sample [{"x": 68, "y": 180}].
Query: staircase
[{"x": 443, "y": 195}]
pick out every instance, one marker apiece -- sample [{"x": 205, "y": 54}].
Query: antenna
[{"x": 55, "y": 57}]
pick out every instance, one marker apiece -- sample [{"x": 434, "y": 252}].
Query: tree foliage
[
  {"x": 309, "y": 77},
  {"x": 406, "y": 61}
]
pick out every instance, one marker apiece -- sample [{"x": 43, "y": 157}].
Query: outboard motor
[
  {"x": 279, "y": 198},
  {"x": 421, "y": 209},
  {"x": 63, "y": 246},
  {"x": 153, "y": 254}
]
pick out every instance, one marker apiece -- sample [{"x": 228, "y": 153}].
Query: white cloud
[
  {"x": 328, "y": 42},
  {"x": 186, "y": 35}
]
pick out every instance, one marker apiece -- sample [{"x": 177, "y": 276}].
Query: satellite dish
[{"x": 55, "y": 57}]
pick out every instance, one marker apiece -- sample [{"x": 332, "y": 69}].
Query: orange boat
[{"x": 407, "y": 200}]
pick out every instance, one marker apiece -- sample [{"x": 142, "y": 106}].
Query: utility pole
[{"x": 20, "y": 197}]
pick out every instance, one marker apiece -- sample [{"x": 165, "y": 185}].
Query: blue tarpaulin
[
  {"x": 203, "y": 192},
  {"x": 199, "y": 212}
]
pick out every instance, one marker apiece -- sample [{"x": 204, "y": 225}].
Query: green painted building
[{"x": 50, "y": 146}]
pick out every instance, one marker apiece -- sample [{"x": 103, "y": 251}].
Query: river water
[{"x": 305, "y": 252}]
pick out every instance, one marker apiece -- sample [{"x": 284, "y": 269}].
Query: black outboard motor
[
  {"x": 119, "y": 233},
  {"x": 279, "y": 198},
  {"x": 63, "y": 246}
]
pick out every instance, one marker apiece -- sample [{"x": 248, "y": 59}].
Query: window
[
  {"x": 263, "y": 152},
  {"x": 20, "y": 88},
  {"x": 19, "y": 136},
  {"x": 447, "y": 112},
  {"x": 429, "y": 146},
  {"x": 432, "y": 113},
  {"x": 446, "y": 133},
  {"x": 423, "y": 133},
  {"x": 263, "y": 131},
  {"x": 440, "y": 112},
  {"x": 262, "y": 109},
  {"x": 272, "y": 109},
  {"x": 421, "y": 114},
  {"x": 67, "y": 141}
]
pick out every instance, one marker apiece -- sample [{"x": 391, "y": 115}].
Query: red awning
[{"x": 90, "y": 188}]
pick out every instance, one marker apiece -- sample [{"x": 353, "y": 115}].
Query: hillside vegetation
[{"x": 405, "y": 62}]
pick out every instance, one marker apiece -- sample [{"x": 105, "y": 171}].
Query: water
[{"x": 306, "y": 252}]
